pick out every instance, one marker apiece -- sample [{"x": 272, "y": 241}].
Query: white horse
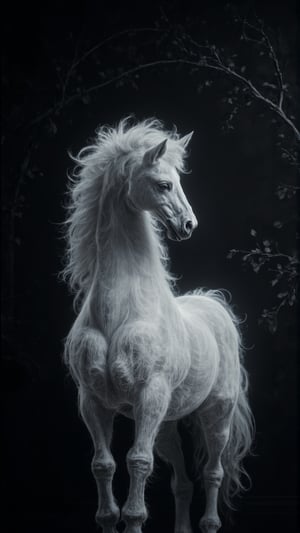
[{"x": 136, "y": 348}]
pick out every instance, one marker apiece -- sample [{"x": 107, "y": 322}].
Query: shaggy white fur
[{"x": 135, "y": 347}]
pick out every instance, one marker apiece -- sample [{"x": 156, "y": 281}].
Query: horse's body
[{"x": 137, "y": 349}]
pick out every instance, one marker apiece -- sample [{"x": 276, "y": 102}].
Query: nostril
[{"x": 188, "y": 226}]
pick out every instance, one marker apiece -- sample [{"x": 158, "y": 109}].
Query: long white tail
[{"x": 239, "y": 445}]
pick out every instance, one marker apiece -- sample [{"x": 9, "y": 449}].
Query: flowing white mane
[{"x": 101, "y": 167}]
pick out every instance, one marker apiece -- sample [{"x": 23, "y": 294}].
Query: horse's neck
[{"x": 130, "y": 279}]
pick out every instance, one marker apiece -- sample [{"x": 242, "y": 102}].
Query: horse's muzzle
[{"x": 182, "y": 232}]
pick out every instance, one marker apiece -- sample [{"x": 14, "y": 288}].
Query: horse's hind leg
[
  {"x": 168, "y": 447},
  {"x": 215, "y": 422},
  {"x": 99, "y": 422}
]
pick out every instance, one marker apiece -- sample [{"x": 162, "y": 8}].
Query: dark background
[{"x": 46, "y": 448}]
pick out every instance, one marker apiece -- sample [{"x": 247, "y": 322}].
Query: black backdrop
[{"x": 47, "y": 450}]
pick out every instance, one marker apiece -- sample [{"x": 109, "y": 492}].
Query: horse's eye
[{"x": 165, "y": 186}]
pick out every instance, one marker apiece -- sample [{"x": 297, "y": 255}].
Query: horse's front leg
[
  {"x": 149, "y": 412},
  {"x": 99, "y": 422}
]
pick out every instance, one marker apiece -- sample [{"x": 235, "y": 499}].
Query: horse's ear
[
  {"x": 184, "y": 141},
  {"x": 152, "y": 155}
]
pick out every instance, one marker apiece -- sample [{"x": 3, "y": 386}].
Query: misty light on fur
[{"x": 136, "y": 347}]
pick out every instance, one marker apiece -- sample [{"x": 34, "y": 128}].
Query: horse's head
[{"x": 156, "y": 187}]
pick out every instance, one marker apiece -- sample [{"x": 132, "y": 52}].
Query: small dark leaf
[
  {"x": 267, "y": 84},
  {"x": 272, "y": 323},
  {"x": 51, "y": 127},
  {"x": 282, "y": 295}
]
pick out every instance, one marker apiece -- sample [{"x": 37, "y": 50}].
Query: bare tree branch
[
  {"x": 112, "y": 37},
  {"x": 214, "y": 62},
  {"x": 56, "y": 108},
  {"x": 210, "y": 59},
  {"x": 266, "y": 42},
  {"x": 277, "y": 67}
]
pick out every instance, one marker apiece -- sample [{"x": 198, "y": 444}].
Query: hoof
[
  {"x": 134, "y": 518},
  {"x": 108, "y": 520},
  {"x": 209, "y": 525},
  {"x": 133, "y": 528}
]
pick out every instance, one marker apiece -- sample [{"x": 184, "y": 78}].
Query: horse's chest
[
  {"x": 130, "y": 366},
  {"x": 139, "y": 352}
]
